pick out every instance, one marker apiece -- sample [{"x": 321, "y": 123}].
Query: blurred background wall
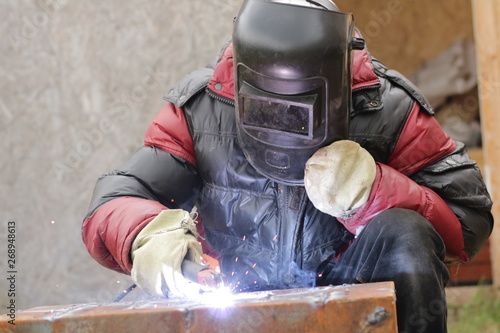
[{"x": 80, "y": 82}]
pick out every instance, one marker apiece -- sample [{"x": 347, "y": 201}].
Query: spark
[
  {"x": 244, "y": 237},
  {"x": 53, "y": 222},
  {"x": 117, "y": 281},
  {"x": 255, "y": 264},
  {"x": 246, "y": 273},
  {"x": 275, "y": 237},
  {"x": 57, "y": 286},
  {"x": 236, "y": 260},
  {"x": 232, "y": 273},
  {"x": 320, "y": 275}
]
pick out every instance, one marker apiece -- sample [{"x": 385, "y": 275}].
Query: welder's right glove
[
  {"x": 339, "y": 177},
  {"x": 158, "y": 252}
]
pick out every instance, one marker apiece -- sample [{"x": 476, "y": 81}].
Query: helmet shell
[{"x": 293, "y": 84}]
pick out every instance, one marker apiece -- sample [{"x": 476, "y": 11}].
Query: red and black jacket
[{"x": 265, "y": 232}]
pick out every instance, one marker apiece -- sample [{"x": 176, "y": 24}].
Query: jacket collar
[{"x": 222, "y": 81}]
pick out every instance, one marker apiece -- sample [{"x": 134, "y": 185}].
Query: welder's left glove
[
  {"x": 339, "y": 177},
  {"x": 159, "y": 250}
]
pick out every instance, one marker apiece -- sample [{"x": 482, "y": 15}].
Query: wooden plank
[
  {"x": 486, "y": 18},
  {"x": 387, "y": 23},
  {"x": 476, "y": 271},
  {"x": 477, "y": 155},
  {"x": 367, "y": 307}
]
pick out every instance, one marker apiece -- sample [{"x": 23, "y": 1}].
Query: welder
[{"x": 308, "y": 163}]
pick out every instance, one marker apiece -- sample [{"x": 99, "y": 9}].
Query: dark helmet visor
[{"x": 263, "y": 111}]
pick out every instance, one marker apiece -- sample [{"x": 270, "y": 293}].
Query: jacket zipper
[
  {"x": 282, "y": 271},
  {"x": 374, "y": 86},
  {"x": 219, "y": 97},
  {"x": 231, "y": 102}
]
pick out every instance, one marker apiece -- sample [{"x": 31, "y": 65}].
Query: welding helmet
[{"x": 292, "y": 61}]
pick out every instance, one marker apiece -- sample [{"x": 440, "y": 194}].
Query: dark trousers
[{"x": 400, "y": 245}]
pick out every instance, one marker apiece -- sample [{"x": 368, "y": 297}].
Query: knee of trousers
[{"x": 406, "y": 228}]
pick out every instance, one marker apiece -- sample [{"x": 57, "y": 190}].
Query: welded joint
[{"x": 376, "y": 318}]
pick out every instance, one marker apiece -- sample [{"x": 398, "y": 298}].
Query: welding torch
[{"x": 208, "y": 276}]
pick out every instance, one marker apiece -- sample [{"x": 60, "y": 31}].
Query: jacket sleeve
[
  {"x": 430, "y": 173},
  {"x": 158, "y": 176}
]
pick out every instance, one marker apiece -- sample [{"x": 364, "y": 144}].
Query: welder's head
[{"x": 293, "y": 82}]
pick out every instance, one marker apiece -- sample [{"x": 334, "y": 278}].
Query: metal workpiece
[{"x": 348, "y": 308}]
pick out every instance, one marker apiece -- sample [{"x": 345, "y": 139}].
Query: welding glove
[
  {"x": 158, "y": 252},
  {"x": 338, "y": 178}
]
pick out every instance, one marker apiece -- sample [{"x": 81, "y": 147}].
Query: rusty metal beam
[{"x": 350, "y": 308}]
